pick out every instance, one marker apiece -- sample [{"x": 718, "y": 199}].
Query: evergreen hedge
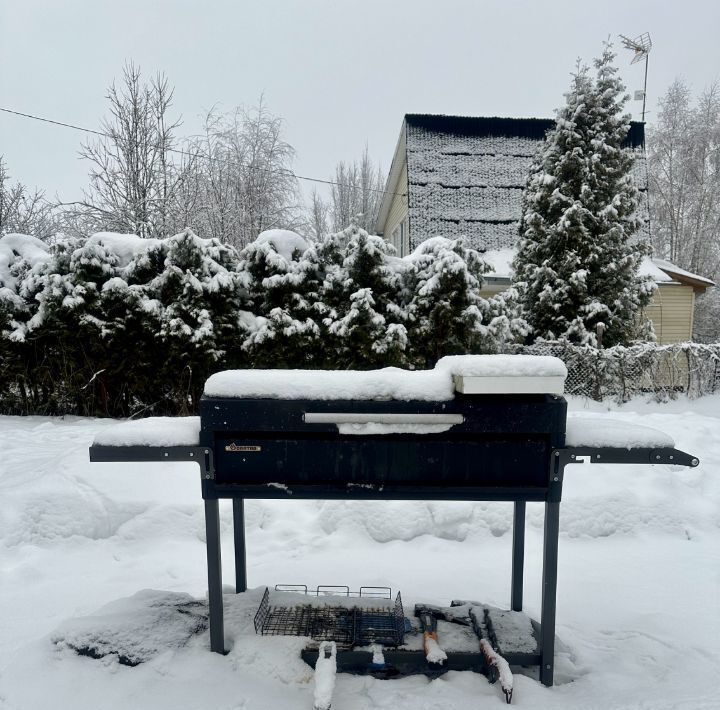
[{"x": 113, "y": 325}]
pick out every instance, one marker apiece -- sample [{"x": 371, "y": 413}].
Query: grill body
[{"x": 502, "y": 445}]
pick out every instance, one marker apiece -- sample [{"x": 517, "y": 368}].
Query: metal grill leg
[
  {"x": 547, "y": 622},
  {"x": 239, "y": 533},
  {"x": 518, "y": 555},
  {"x": 215, "y": 599}
]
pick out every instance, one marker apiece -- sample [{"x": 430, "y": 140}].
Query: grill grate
[{"x": 346, "y": 626}]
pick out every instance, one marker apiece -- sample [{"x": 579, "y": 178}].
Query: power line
[{"x": 198, "y": 155}]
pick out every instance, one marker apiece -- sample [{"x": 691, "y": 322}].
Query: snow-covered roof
[
  {"x": 649, "y": 267},
  {"x": 500, "y": 262},
  {"x": 466, "y": 175},
  {"x": 675, "y": 271}
]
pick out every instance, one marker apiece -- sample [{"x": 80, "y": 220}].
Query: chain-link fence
[{"x": 620, "y": 373}]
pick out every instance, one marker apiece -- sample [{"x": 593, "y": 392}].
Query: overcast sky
[{"x": 340, "y": 73}]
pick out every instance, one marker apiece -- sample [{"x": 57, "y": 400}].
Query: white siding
[{"x": 398, "y": 207}]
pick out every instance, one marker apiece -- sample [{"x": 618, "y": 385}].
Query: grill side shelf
[
  {"x": 201, "y": 455},
  {"x": 621, "y": 455}
]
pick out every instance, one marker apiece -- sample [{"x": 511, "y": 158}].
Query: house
[{"x": 464, "y": 176}]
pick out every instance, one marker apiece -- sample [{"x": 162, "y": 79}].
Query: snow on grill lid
[
  {"x": 599, "y": 432},
  {"x": 503, "y": 366},
  {"x": 390, "y": 383}
]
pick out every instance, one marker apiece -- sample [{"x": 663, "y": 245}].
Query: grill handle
[{"x": 380, "y": 418}]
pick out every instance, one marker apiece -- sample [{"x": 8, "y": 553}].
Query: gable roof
[
  {"x": 466, "y": 175},
  {"x": 533, "y": 128},
  {"x": 699, "y": 283}
]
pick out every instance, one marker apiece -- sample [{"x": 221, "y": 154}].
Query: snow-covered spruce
[
  {"x": 446, "y": 314},
  {"x": 577, "y": 264},
  {"x": 283, "y": 277},
  {"x": 365, "y": 319}
]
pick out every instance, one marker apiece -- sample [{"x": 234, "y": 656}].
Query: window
[
  {"x": 395, "y": 238},
  {"x": 400, "y": 238},
  {"x": 405, "y": 237}
]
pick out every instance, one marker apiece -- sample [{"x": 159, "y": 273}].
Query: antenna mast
[{"x": 640, "y": 46}]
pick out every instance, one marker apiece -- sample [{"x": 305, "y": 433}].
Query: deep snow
[{"x": 638, "y": 590}]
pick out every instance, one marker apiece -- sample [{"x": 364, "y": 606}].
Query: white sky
[{"x": 340, "y": 73}]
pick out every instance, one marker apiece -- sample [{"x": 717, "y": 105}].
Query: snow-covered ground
[{"x": 638, "y": 589}]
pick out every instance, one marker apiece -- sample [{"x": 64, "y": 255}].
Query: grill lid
[{"x": 469, "y": 374}]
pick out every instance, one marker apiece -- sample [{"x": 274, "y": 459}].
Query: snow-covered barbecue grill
[{"x": 474, "y": 428}]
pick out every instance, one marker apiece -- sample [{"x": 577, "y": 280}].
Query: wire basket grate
[{"x": 347, "y": 626}]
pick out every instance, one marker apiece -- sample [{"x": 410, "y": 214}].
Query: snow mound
[
  {"x": 62, "y": 510},
  {"x": 393, "y": 521},
  {"x": 284, "y": 241},
  {"x": 19, "y": 247},
  {"x": 124, "y": 246},
  {"x": 153, "y": 431},
  {"x": 603, "y": 432},
  {"x": 135, "y": 629}
]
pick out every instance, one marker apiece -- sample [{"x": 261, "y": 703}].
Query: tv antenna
[{"x": 640, "y": 46}]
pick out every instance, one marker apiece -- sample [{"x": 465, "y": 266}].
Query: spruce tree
[
  {"x": 362, "y": 297},
  {"x": 283, "y": 280},
  {"x": 446, "y": 314},
  {"x": 577, "y": 264}
]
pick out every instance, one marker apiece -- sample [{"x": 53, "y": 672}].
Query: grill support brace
[{"x": 518, "y": 555}]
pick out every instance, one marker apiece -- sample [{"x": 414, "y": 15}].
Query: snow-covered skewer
[
  {"x": 325, "y": 672},
  {"x": 434, "y": 654},
  {"x": 499, "y": 668}
]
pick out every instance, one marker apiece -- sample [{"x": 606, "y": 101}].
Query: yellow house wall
[{"x": 671, "y": 310}]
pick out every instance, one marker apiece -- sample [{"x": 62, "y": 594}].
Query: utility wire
[{"x": 198, "y": 155}]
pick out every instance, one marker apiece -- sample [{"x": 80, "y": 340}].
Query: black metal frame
[{"x": 550, "y": 495}]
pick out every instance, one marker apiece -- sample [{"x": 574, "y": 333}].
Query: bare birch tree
[
  {"x": 132, "y": 177},
  {"x": 684, "y": 167},
  {"x": 237, "y": 180},
  {"x": 319, "y": 213},
  {"x": 356, "y": 194},
  {"x": 24, "y": 210}
]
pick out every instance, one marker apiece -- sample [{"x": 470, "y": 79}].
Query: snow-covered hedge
[
  {"x": 623, "y": 372},
  {"x": 118, "y": 325}
]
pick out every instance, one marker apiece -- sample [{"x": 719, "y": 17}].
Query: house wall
[
  {"x": 671, "y": 312},
  {"x": 489, "y": 290},
  {"x": 398, "y": 207}
]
